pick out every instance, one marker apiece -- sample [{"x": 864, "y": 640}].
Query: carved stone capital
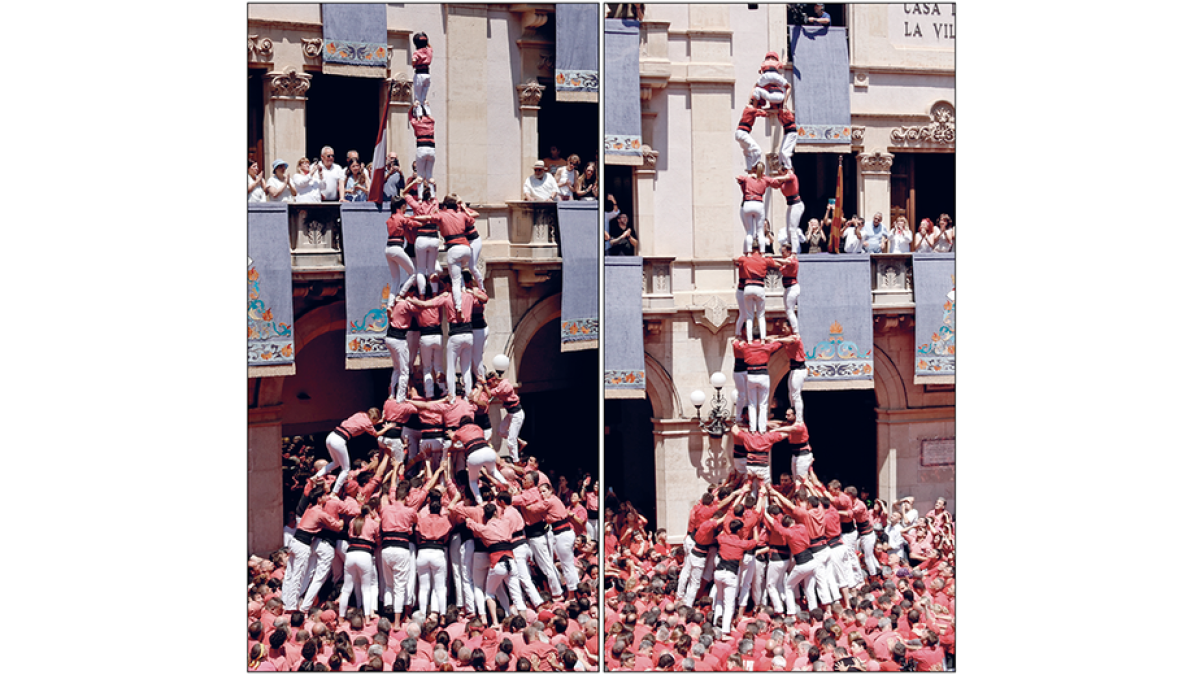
[
  {"x": 400, "y": 91},
  {"x": 257, "y": 47},
  {"x": 530, "y": 93},
  {"x": 649, "y": 157},
  {"x": 857, "y": 134},
  {"x": 939, "y": 131},
  {"x": 289, "y": 84},
  {"x": 875, "y": 163},
  {"x": 311, "y": 47}
]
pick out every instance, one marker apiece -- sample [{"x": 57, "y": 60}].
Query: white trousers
[
  {"x": 756, "y": 310},
  {"x": 479, "y": 577},
  {"x": 800, "y": 464},
  {"x": 324, "y": 553},
  {"x": 752, "y": 222},
  {"x": 725, "y": 596},
  {"x": 785, "y": 155},
  {"x": 410, "y": 586},
  {"x": 462, "y": 555},
  {"x": 810, "y": 574},
  {"x": 747, "y": 572},
  {"x": 459, "y": 350},
  {"x": 433, "y": 448},
  {"x": 795, "y": 380},
  {"x": 742, "y": 316},
  {"x": 791, "y": 307},
  {"x": 426, "y": 262},
  {"x": 483, "y": 459},
  {"x": 476, "y": 250},
  {"x": 431, "y": 361},
  {"x": 835, "y": 563},
  {"x": 360, "y": 580},
  {"x": 478, "y": 343},
  {"x": 510, "y": 428},
  {"x": 398, "y": 348},
  {"x": 757, "y": 393},
  {"x": 793, "y": 235},
  {"x": 564, "y": 550},
  {"x": 421, "y": 89},
  {"x": 502, "y": 573},
  {"x": 540, "y": 547},
  {"x": 339, "y": 456},
  {"x": 425, "y": 157},
  {"x": 592, "y": 528},
  {"x": 521, "y": 555},
  {"x": 866, "y": 544},
  {"x": 431, "y": 577},
  {"x": 293, "y": 576},
  {"x": 776, "y": 593},
  {"x": 739, "y": 383},
  {"x": 750, "y": 148},
  {"x": 457, "y": 257},
  {"x": 401, "y": 268}
]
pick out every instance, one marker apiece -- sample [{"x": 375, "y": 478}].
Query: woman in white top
[
  {"x": 308, "y": 189},
  {"x": 279, "y": 189},
  {"x": 255, "y": 183},
  {"x": 943, "y": 239},
  {"x": 900, "y": 237},
  {"x": 566, "y": 177}
]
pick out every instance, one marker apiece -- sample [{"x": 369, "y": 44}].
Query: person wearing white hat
[
  {"x": 279, "y": 188},
  {"x": 541, "y": 186}
]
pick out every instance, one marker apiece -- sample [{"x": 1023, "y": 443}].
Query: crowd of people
[
  {"x": 794, "y": 575},
  {"x": 437, "y": 552},
  {"x": 559, "y": 179}
]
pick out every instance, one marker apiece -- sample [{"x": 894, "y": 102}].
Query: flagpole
[{"x": 835, "y": 232}]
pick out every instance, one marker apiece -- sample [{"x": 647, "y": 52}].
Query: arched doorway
[
  {"x": 560, "y": 396},
  {"x": 842, "y": 430}
]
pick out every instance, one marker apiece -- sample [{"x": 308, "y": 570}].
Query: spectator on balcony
[
  {"x": 304, "y": 180},
  {"x": 947, "y": 227},
  {"x": 555, "y": 159},
  {"x": 850, "y": 232},
  {"x": 351, "y": 156},
  {"x": 541, "y": 186},
  {"x": 900, "y": 237},
  {"x": 925, "y": 236},
  {"x": 393, "y": 178},
  {"x": 566, "y": 176},
  {"x": 255, "y": 183},
  {"x": 622, "y": 238},
  {"x": 587, "y": 186},
  {"x": 279, "y": 189},
  {"x": 819, "y": 17},
  {"x": 358, "y": 182},
  {"x": 873, "y": 235},
  {"x": 815, "y": 235},
  {"x": 610, "y": 213},
  {"x": 331, "y": 178}
]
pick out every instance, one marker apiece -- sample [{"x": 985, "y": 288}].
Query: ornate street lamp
[
  {"x": 717, "y": 422},
  {"x": 500, "y": 364}
]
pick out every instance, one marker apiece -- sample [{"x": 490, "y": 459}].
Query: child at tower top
[
  {"x": 772, "y": 87},
  {"x": 421, "y": 59}
]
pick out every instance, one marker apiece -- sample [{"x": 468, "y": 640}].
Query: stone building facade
[
  {"x": 698, "y": 66},
  {"x": 492, "y": 95}
]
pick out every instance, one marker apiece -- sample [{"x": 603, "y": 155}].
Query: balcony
[{"x": 315, "y": 237}]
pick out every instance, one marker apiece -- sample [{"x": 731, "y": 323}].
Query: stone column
[
  {"x": 283, "y": 131},
  {"x": 530, "y": 96},
  {"x": 399, "y": 137},
  {"x": 264, "y": 479},
  {"x": 875, "y": 185},
  {"x": 686, "y": 462}
]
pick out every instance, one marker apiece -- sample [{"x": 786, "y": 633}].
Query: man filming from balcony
[
  {"x": 393, "y": 178},
  {"x": 819, "y": 16}
]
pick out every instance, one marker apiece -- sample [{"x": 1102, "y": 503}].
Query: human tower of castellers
[
  {"x": 436, "y": 497},
  {"x": 785, "y": 548}
]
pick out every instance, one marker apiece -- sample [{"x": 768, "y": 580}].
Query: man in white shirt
[
  {"x": 541, "y": 186},
  {"x": 853, "y": 243},
  {"x": 331, "y": 177}
]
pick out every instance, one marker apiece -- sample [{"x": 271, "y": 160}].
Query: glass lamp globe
[
  {"x": 698, "y": 398},
  {"x": 717, "y": 380}
]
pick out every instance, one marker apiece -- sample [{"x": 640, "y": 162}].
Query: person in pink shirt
[
  {"x": 360, "y": 562},
  {"x": 396, "y": 340},
  {"x": 793, "y": 347},
  {"x": 562, "y": 539},
  {"x": 355, "y": 425},
  {"x": 300, "y": 550},
  {"x": 422, "y": 125},
  {"x": 480, "y": 456},
  {"x": 753, "y": 187},
  {"x": 421, "y": 59},
  {"x": 430, "y": 311},
  {"x": 479, "y": 328},
  {"x": 752, "y": 273},
  {"x": 789, "y": 267},
  {"x": 500, "y": 389},
  {"x": 496, "y": 535},
  {"x": 400, "y": 234},
  {"x": 432, "y": 533}
]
